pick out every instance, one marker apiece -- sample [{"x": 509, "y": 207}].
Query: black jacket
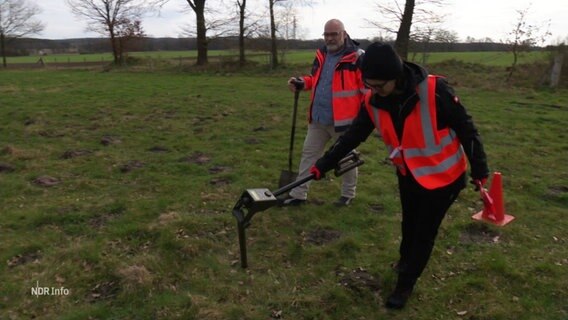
[{"x": 449, "y": 111}]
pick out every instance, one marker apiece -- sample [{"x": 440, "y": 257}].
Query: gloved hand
[
  {"x": 478, "y": 183},
  {"x": 316, "y": 172}
]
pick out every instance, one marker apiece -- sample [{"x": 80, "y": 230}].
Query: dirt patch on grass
[
  {"x": 320, "y": 237},
  {"x": 376, "y": 207},
  {"x": 479, "y": 233},
  {"x": 103, "y": 291},
  {"x": 220, "y": 182},
  {"x": 359, "y": 280},
  {"x": 197, "y": 158},
  {"x": 21, "y": 259},
  {"x": 555, "y": 191},
  {"x": 4, "y": 167},
  {"x": 131, "y": 165},
  {"x": 101, "y": 220},
  {"x": 218, "y": 169},
  {"x": 159, "y": 149},
  {"x": 108, "y": 140},
  {"x": 46, "y": 181},
  {"x": 70, "y": 154}
]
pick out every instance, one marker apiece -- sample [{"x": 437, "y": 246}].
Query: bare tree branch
[{"x": 17, "y": 19}]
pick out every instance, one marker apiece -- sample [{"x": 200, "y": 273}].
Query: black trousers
[{"x": 422, "y": 214}]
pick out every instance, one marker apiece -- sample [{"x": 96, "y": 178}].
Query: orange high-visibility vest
[
  {"x": 434, "y": 157},
  {"x": 348, "y": 90}
]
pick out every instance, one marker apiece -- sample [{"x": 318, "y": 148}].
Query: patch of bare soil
[
  {"x": 46, "y": 181},
  {"x": 219, "y": 182},
  {"x": 102, "y": 220},
  {"x": 103, "y": 291},
  {"x": 108, "y": 140},
  {"x": 376, "y": 207},
  {"x": 321, "y": 236},
  {"x": 479, "y": 233},
  {"x": 159, "y": 149},
  {"x": 70, "y": 154},
  {"x": 197, "y": 158},
  {"x": 218, "y": 169},
  {"x": 131, "y": 165},
  {"x": 554, "y": 191},
  {"x": 359, "y": 280},
  {"x": 4, "y": 167},
  {"x": 21, "y": 259}
]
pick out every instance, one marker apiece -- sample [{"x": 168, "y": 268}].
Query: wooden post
[{"x": 556, "y": 70}]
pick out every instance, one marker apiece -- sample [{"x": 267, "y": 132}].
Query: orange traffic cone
[{"x": 493, "y": 205}]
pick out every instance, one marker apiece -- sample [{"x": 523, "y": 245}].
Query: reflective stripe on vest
[{"x": 435, "y": 157}]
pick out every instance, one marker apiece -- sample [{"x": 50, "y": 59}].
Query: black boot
[{"x": 400, "y": 295}]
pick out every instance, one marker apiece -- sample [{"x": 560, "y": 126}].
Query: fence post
[{"x": 556, "y": 70}]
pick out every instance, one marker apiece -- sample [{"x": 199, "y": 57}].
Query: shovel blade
[{"x": 287, "y": 177}]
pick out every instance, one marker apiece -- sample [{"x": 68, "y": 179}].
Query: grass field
[
  {"x": 500, "y": 59},
  {"x": 116, "y": 190}
]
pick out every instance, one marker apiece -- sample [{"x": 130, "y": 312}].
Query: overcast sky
[{"x": 474, "y": 18}]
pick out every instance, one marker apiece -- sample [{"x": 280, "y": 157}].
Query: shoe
[
  {"x": 343, "y": 201},
  {"x": 397, "y": 299},
  {"x": 291, "y": 202}
]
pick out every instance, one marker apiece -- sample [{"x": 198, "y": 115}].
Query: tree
[
  {"x": 198, "y": 7},
  {"x": 17, "y": 19},
  {"x": 274, "y": 29},
  {"x": 113, "y": 18},
  {"x": 523, "y": 37},
  {"x": 242, "y": 5},
  {"x": 127, "y": 32},
  {"x": 400, "y": 20},
  {"x": 273, "y": 44},
  {"x": 245, "y": 29}
]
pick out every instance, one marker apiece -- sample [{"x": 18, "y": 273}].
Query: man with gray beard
[{"x": 337, "y": 92}]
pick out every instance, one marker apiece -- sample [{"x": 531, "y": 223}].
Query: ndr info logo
[{"x": 49, "y": 291}]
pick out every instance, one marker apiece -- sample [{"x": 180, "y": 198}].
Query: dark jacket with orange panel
[{"x": 347, "y": 84}]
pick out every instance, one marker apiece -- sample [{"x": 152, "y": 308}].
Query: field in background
[
  {"x": 117, "y": 187},
  {"x": 500, "y": 59}
]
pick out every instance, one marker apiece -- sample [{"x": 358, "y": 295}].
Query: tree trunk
[
  {"x": 514, "y": 65},
  {"x": 273, "y": 47},
  {"x": 403, "y": 34},
  {"x": 242, "y": 58},
  {"x": 201, "y": 33},
  {"x": 114, "y": 45},
  {"x": 3, "y": 49}
]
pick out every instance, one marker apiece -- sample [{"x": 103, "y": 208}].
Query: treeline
[{"x": 30, "y": 46}]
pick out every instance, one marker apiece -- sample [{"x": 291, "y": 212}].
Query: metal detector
[{"x": 256, "y": 200}]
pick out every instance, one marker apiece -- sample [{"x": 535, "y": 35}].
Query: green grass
[{"x": 141, "y": 229}]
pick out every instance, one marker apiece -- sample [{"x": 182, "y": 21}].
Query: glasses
[
  {"x": 331, "y": 34},
  {"x": 376, "y": 86}
]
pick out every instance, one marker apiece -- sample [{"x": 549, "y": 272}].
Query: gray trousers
[{"x": 314, "y": 147}]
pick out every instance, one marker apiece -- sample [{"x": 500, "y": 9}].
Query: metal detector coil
[{"x": 260, "y": 199}]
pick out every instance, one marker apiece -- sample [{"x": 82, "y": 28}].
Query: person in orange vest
[
  {"x": 337, "y": 93},
  {"x": 429, "y": 136}
]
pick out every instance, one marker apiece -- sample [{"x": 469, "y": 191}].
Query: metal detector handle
[
  {"x": 348, "y": 162},
  {"x": 293, "y": 185},
  {"x": 341, "y": 171}
]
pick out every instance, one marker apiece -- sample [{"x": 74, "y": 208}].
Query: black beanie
[{"x": 381, "y": 62}]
